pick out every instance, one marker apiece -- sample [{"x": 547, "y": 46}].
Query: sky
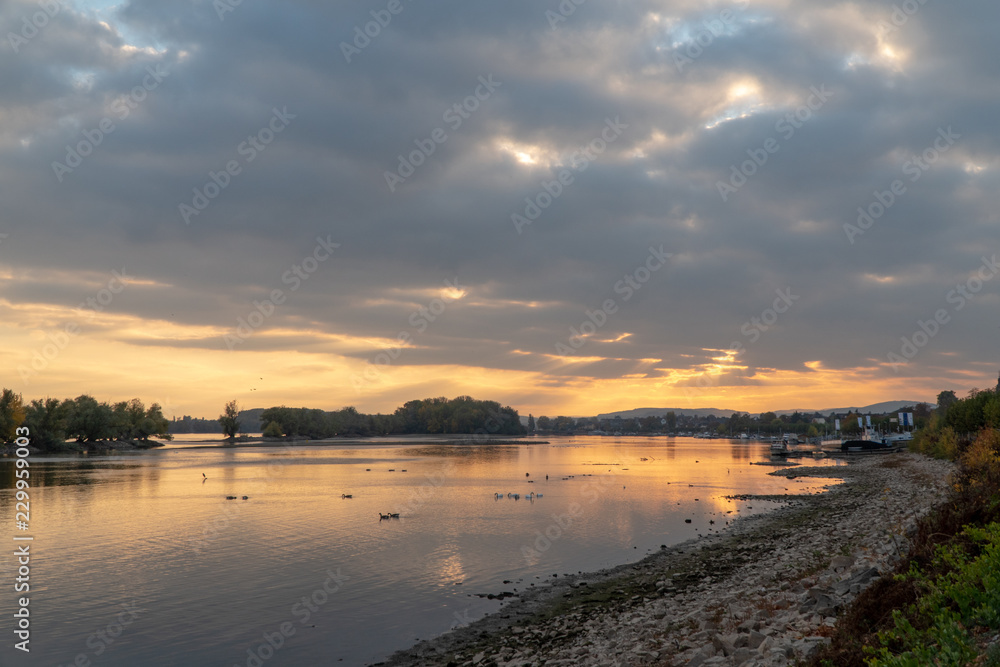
[{"x": 570, "y": 208}]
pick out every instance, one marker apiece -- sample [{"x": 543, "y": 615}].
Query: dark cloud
[{"x": 655, "y": 184}]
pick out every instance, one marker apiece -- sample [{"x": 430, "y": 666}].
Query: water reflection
[{"x": 215, "y": 574}]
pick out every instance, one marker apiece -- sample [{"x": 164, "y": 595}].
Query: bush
[
  {"x": 965, "y": 594},
  {"x": 273, "y": 430},
  {"x": 937, "y": 440}
]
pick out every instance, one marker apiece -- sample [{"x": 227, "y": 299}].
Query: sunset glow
[{"x": 469, "y": 241}]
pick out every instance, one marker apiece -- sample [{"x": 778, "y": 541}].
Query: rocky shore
[{"x": 764, "y": 593}]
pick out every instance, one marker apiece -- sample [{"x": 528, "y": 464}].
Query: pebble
[{"x": 765, "y": 595}]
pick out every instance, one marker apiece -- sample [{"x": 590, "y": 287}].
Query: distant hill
[{"x": 875, "y": 408}]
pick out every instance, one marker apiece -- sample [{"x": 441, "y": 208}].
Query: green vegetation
[
  {"x": 951, "y": 428},
  {"x": 961, "y": 591},
  {"x": 811, "y": 424},
  {"x": 433, "y": 415},
  {"x": 11, "y": 414},
  {"x": 230, "y": 420},
  {"x": 943, "y": 604},
  {"x": 84, "y": 419}
]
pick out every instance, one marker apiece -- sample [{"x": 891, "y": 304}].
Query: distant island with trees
[
  {"x": 84, "y": 423},
  {"x": 85, "y": 420}
]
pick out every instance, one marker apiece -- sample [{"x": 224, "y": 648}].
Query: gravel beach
[{"x": 764, "y": 592}]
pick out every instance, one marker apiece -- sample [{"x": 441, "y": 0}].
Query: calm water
[{"x": 143, "y": 548}]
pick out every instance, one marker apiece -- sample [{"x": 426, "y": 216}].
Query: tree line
[
  {"x": 958, "y": 422},
  {"x": 51, "y": 422},
  {"x": 767, "y": 423},
  {"x": 426, "y": 416}
]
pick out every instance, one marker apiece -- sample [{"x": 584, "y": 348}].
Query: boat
[{"x": 875, "y": 442}]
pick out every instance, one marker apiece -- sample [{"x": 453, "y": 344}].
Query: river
[{"x": 139, "y": 558}]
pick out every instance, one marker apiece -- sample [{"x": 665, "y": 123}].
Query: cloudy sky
[{"x": 570, "y": 208}]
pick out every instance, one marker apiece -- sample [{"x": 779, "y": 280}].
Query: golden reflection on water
[{"x": 215, "y": 573}]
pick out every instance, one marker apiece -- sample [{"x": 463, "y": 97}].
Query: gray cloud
[{"x": 656, "y": 184}]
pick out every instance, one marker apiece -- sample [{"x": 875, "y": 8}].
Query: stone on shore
[{"x": 764, "y": 592}]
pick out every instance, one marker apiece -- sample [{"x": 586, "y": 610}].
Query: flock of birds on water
[
  {"x": 517, "y": 496},
  {"x": 499, "y": 495}
]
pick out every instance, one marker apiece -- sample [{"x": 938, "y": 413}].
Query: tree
[
  {"x": 650, "y": 424},
  {"x": 153, "y": 423},
  {"x": 89, "y": 421},
  {"x": 945, "y": 400},
  {"x": 46, "y": 422},
  {"x": 230, "y": 420},
  {"x": 11, "y": 415},
  {"x": 671, "y": 418},
  {"x": 127, "y": 419},
  {"x": 563, "y": 423},
  {"x": 121, "y": 424},
  {"x": 849, "y": 426},
  {"x": 531, "y": 423},
  {"x": 991, "y": 411},
  {"x": 272, "y": 430},
  {"x": 921, "y": 413}
]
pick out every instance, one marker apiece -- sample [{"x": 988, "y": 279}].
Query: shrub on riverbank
[
  {"x": 943, "y": 600},
  {"x": 936, "y": 440},
  {"x": 959, "y": 600}
]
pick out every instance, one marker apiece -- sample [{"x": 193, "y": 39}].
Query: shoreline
[
  {"x": 104, "y": 446},
  {"x": 764, "y": 592},
  {"x": 281, "y": 442}
]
